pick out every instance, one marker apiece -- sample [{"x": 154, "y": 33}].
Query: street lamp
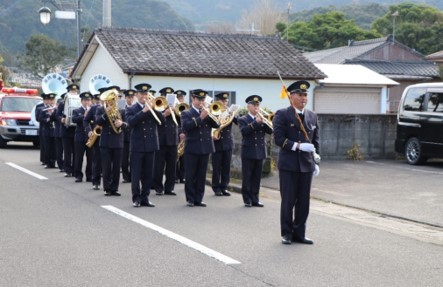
[
  {"x": 45, "y": 18},
  {"x": 45, "y": 15}
]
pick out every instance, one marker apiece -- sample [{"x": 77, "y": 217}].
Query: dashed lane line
[{"x": 27, "y": 171}]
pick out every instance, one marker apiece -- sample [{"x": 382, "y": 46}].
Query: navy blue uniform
[
  {"x": 111, "y": 146},
  {"x": 180, "y": 166},
  {"x": 37, "y": 111},
  {"x": 126, "y": 171},
  {"x": 46, "y": 119},
  {"x": 89, "y": 123},
  {"x": 221, "y": 159},
  {"x": 143, "y": 144},
  {"x": 198, "y": 146},
  {"x": 253, "y": 152},
  {"x": 58, "y": 138},
  {"x": 295, "y": 169},
  {"x": 166, "y": 157},
  {"x": 67, "y": 135},
  {"x": 80, "y": 146}
]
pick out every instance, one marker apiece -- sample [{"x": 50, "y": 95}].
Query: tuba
[
  {"x": 226, "y": 119},
  {"x": 109, "y": 99},
  {"x": 54, "y": 83}
]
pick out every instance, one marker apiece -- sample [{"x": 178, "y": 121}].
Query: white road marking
[
  {"x": 26, "y": 171},
  {"x": 183, "y": 240}
]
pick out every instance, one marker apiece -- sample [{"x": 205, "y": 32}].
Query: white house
[
  {"x": 351, "y": 89},
  {"x": 240, "y": 64}
]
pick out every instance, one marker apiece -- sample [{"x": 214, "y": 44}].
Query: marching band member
[
  {"x": 221, "y": 158},
  {"x": 111, "y": 140},
  {"x": 295, "y": 162},
  {"x": 143, "y": 144},
  {"x": 253, "y": 150},
  {"x": 90, "y": 124},
  {"x": 166, "y": 156},
  {"x": 126, "y": 172},
  {"x": 37, "y": 111},
  {"x": 46, "y": 119},
  {"x": 67, "y": 132},
  {"x": 197, "y": 125},
  {"x": 58, "y": 136},
  {"x": 180, "y": 166},
  {"x": 80, "y": 140}
]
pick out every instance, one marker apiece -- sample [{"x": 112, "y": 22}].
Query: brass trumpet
[
  {"x": 267, "y": 117},
  {"x": 179, "y": 108}
]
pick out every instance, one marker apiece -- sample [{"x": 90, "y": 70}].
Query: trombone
[
  {"x": 214, "y": 110},
  {"x": 267, "y": 117},
  {"x": 159, "y": 104}
]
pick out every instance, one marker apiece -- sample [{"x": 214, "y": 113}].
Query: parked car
[
  {"x": 420, "y": 123},
  {"x": 15, "y": 115}
]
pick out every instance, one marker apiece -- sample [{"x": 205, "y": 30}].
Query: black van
[{"x": 420, "y": 123}]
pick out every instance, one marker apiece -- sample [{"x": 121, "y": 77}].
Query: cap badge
[
  {"x": 256, "y": 99},
  {"x": 201, "y": 94},
  {"x": 303, "y": 86}
]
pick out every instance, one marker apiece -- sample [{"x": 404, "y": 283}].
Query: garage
[{"x": 345, "y": 100}]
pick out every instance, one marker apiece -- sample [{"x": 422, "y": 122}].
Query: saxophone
[
  {"x": 96, "y": 132},
  {"x": 180, "y": 148}
]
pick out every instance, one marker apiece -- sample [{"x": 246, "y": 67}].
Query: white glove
[
  {"x": 307, "y": 147},
  {"x": 316, "y": 171}
]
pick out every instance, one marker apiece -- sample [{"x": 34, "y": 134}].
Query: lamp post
[
  {"x": 45, "y": 18},
  {"x": 394, "y": 15},
  {"x": 287, "y": 25}
]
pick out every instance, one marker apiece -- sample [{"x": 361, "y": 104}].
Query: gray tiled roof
[
  {"x": 435, "y": 56},
  {"x": 174, "y": 53},
  {"x": 401, "y": 70}
]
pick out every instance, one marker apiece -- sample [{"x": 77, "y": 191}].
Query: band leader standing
[{"x": 296, "y": 162}]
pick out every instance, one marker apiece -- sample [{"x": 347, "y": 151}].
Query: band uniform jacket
[
  {"x": 108, "y": 138},
  {"x": 287, "y": 132},
  {"x": 46, "y": 119},
  {"x": 254, "y": 141},
  {"x": 78, "y": 116},
  {"x": 64, "y": 130},
  {"x": 198, "y": 132},
  {"x": 167, "y": 132},
  {"x": 144, "y": 134},
  {"x": 89, "y": 120},
  {"x": 226, "y": 142},
  {"x": 57, "y": 121},
  {"x": 126, "y": 128}
]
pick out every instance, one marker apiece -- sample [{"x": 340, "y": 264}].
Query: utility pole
[{"x": 287, "y": 22}]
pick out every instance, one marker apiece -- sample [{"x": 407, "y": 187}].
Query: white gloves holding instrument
[
  {"x": 316, "y": 171},
  {"x": 307, "y": 147}
]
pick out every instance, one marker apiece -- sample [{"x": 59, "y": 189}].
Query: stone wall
[{"x": 374, "y": 135}]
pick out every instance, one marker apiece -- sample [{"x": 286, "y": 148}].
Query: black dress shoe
[
  {"x": 108, "y": 193},
  {"x": 148, "y": 204},
  {"x": 226, "y": 193},
  {"x": 158, "y": 192},
  {"x": 218, "y": 193},
  {"x": 258, "y": 204},
  {"x": 170, "y": 193},
  {"x": 96, "y": 187},
  {"x": 126, "y": 181},
  {"x": 190, "y": 203},
  {"x": 115, "y": 193},
  {"x": 304, "y": 240},
  {"x": 61, "y": 170},
  {"x": 136, "y": 204},
  {"x": 286, "y": 240},
  {"x": 78, "y": 180},
  {"x": 201, "y": 204},
  {"x": 248, "y": 204},
  {"x": 182, "y": 181},
  {"x": 68, "y": 175}
]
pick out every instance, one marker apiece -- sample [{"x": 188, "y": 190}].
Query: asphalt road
[{"x": 54, "y": 232}]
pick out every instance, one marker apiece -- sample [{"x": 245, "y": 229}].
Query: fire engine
[{"x": 16, "y": 105}]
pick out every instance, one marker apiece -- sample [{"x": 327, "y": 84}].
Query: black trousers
[
  {"x": 49, "y": 151},
  {"x": 295, "y": 190},
  {"x": 165, "y": 161},
  {"x": 80, "y": 150},
  {"x": 180, "y": 169},
  {"x": 96, "y": 164},
  {"x": 68, "y": 154},
  {"x": 126, "y": 172},
  {"x": 250, "y": 188},
  {"x": 221, "y": 169},
  {"x": 195, "y": 176},
  {"x": 42, "y": 143},
  {"x": 142, "y": 166},
  {"x": 59, "y": 153},
  {"x": 111, "y": 162}
]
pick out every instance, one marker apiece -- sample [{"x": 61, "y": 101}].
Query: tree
[
  {"x": 326, "y": 31},
  {"x": 263, "y": 17},
  {"x": 43, "y": 54},
  {"x": 416, "y": 26}
]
